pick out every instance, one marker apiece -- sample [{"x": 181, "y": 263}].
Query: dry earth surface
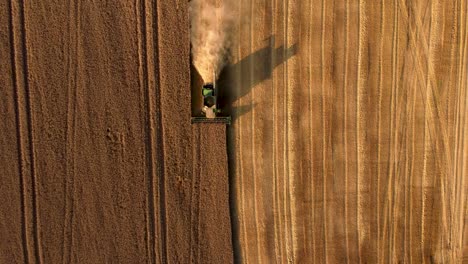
[{"x": 349, "y": 143}]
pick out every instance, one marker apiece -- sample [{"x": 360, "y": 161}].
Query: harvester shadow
[{"x": 237, "y": 80}]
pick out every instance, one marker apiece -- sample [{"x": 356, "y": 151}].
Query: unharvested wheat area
[{"x": 347, "y": 141}]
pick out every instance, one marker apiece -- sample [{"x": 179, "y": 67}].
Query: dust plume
[{"x": 212, "y": 32}]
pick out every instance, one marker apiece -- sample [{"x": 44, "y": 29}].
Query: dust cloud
[{"x": 212, "y": 33}]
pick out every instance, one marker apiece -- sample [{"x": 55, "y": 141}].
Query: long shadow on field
[{"x": 237, "y": 80}]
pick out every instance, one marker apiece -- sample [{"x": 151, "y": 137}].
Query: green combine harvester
[{"x": 211, "y": 112}]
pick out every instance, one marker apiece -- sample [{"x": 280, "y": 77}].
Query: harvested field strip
[{"x": 351, "y": 148}]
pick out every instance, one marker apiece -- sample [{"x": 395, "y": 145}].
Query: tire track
[
  {"x": 156, "y": 210},
  {"x": 301, "y": 236},
  {"x": 24, "y": 110},
  {"x": 279, "y": 190},
  {"x": 155, "y": 106},
  {"x": 242, "y": 234},
  {"x": 195, "y": 199},
  {"x": 432, "y": 129},
  {"x": 38, "y": 252},
  {"x": 406, "y": 140},
  {"x": 324, "y": 167},
  {"x": 277, "y": 79},
  {"x": 241, "y": 162},
  {"x": 393, "y": 132},
  {"x": 414, "y": 163},
  {"x": 311, "y": 142},
  {"x": 345, "y": 126},
  {"x": 379, "y": 122},
  {"x": 241, "y": 174},
  {"x": 147, "y": 171},
  {"x": 463, "y": 126},
  {"x": 150, "y": 210},
  {"x": 424, "y": 175},
  {"x": 360, "y": 109},
  {"x": 452, "y": 167},
  {"x": 289, "y": 155},
  {"x": 18, "y": 121},
  {"x": 430, "y": 77},
  {"x": 452, "y": 94},
  {"x": 455, "y": 221},
  {"x": 72, "y": 91},
  {"x": 410, "y": 170},
  {"x": 394, "y": 147},
  {"x": 139, "y": 9},
  {"x": 413, "y": 147},
  {"x": 439, "y": 251},
  {"x": 252, "y": 143},
  {"x": 284, "y": 142},
  {"x": 276, "y": 206},
  {"x": 388, "y": 204},
  {"x": 394, "y": 172}
]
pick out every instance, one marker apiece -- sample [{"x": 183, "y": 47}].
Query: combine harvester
[{"x": 211, "y": 111}]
